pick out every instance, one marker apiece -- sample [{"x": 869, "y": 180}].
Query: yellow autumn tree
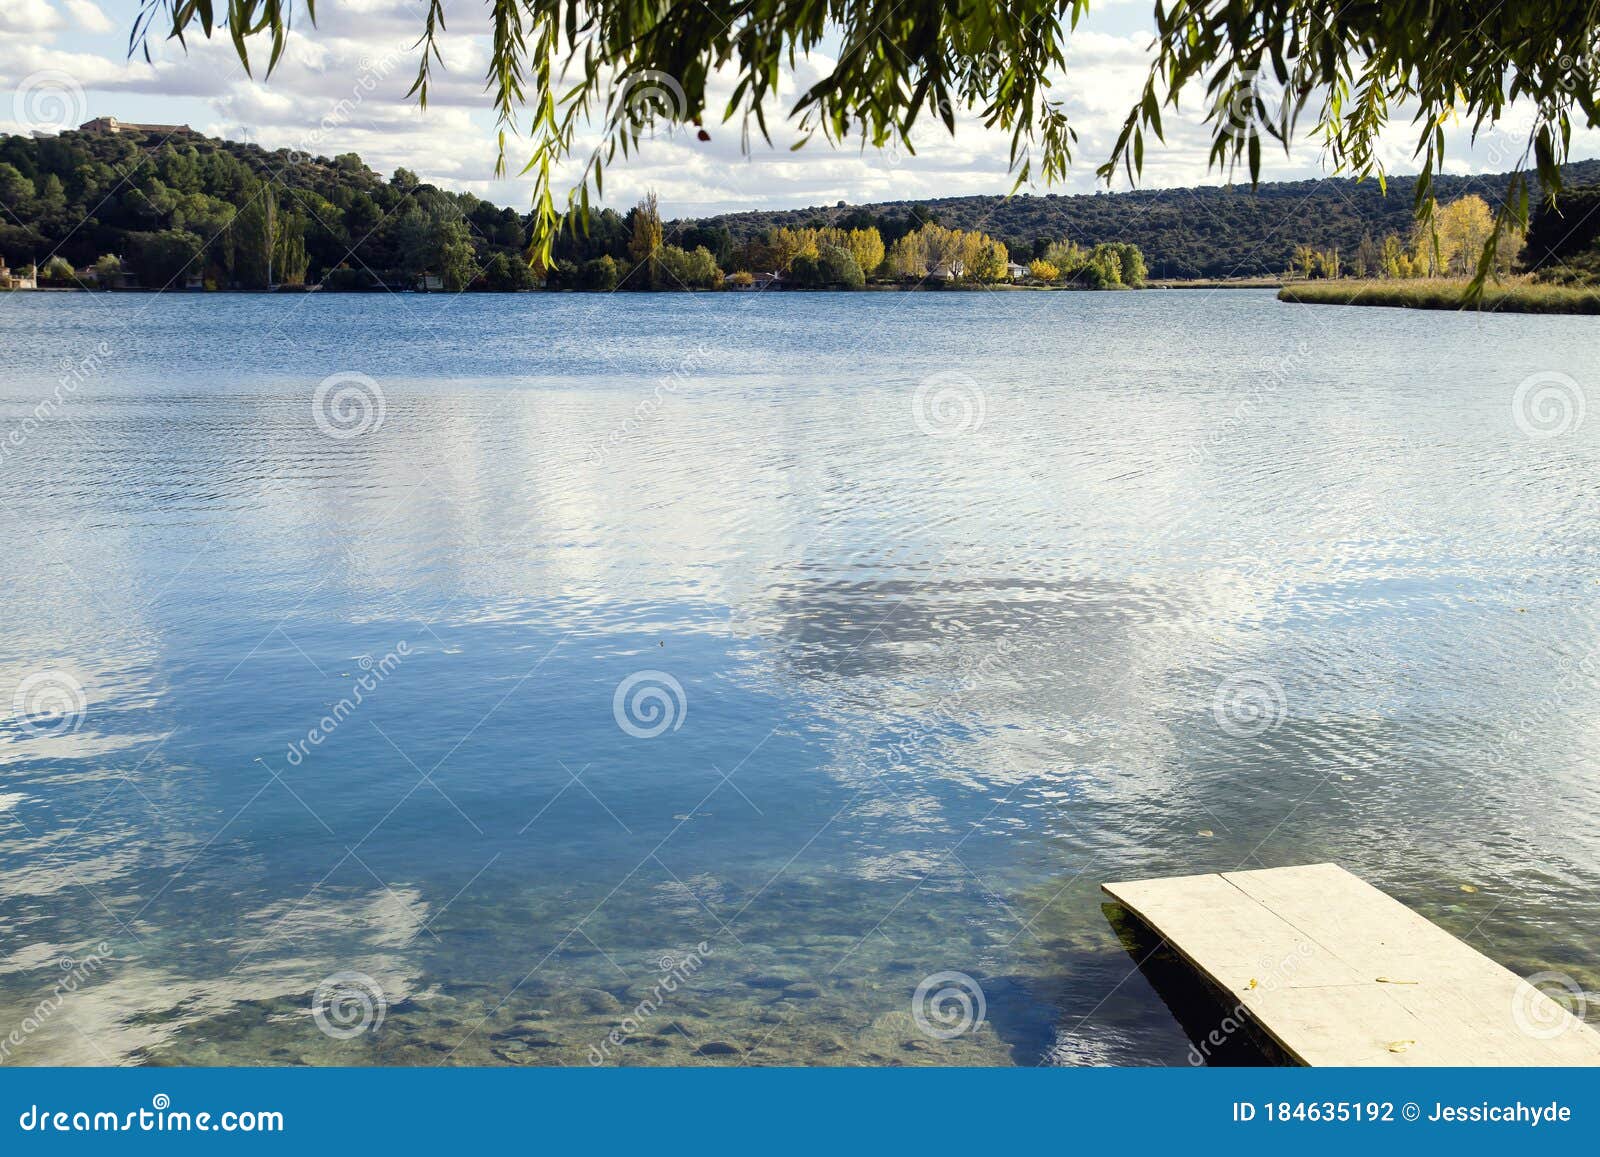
[
  {"x": 866, "y": 246},
  {"x": 1464, "y": 225},
  {"x": 906, "y": 257},
  {"x": 786, "y": 244}
]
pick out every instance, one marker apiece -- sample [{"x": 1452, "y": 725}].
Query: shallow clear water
[{"x": 958, "y": 605}]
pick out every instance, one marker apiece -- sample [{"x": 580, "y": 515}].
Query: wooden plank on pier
[{"x": 1339, "y": 973}]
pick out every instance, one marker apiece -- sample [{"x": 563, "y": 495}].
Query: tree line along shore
[
  {"x": 100, "y": 210},
  {"x": 1553, "y": 268},
  {"x": 126, "y": 210}
]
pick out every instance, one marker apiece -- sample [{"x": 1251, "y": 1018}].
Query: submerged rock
[
  {"x": 769, "y": 980},
  {"x": 597, "y": 1000}
]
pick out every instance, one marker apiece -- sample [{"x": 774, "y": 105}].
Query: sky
[{"x": 341, "y": 88}]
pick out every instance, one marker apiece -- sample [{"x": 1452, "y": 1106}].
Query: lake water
[{"x": 759, "y": 658}]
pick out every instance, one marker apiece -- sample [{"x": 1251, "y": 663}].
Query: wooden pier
[{"x": 1336, "y": 972}]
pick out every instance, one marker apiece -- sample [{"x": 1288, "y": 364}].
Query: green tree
[
  {"x": 1131, "y": 262},
  {"x": 682, "y": 269},
  {"x": 58, "y": 268},
  {"x": 52, "y": 196},
  {"x": 164, "y": 259},
  {"x": 266, "y": 244},
  {"x": 458, "y": 264},
  {"x": 833, "y": 267},
  {"x": 1103, "y": 269},
  {"x": 507, "y": 274},
  {"x": 16, "y": 190},
  {"x": 599, "y": 275},
  {"x": 108, "y": 271}
]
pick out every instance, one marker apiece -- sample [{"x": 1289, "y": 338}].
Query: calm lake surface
[{"x": 797, "y": 649}]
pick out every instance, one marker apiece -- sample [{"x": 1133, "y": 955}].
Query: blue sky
[{"x": 341, "y": 88}]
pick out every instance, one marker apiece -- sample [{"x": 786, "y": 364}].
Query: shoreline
[{"x": 1445, "y": 294}]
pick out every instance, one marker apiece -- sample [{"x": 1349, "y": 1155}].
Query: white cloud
[
  {"x": 342, "y": 88},
  {"x": 87, "y": 16},
  {"x": 28, "y": 17}
]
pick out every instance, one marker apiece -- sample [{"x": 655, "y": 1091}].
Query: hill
[
  {"x": 152, "y": 209},
  {"x": 1206, "y": 231}
]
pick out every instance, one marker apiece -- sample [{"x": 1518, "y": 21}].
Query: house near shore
[
  {"x": 25, "y": 278},
  {"x": 122, "y": 278},
  {"x": 947, "y": 271},
  {"x": 1015, "y": 272},
  {"x": 757, "y": 281},
  {"x": 113, "y": 125}
]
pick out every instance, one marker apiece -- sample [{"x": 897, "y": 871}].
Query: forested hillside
[
  {"x": 1200, "y": 232},
  {"x": 152, "y": 211},
  {"x": 243, "y": 216}
]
